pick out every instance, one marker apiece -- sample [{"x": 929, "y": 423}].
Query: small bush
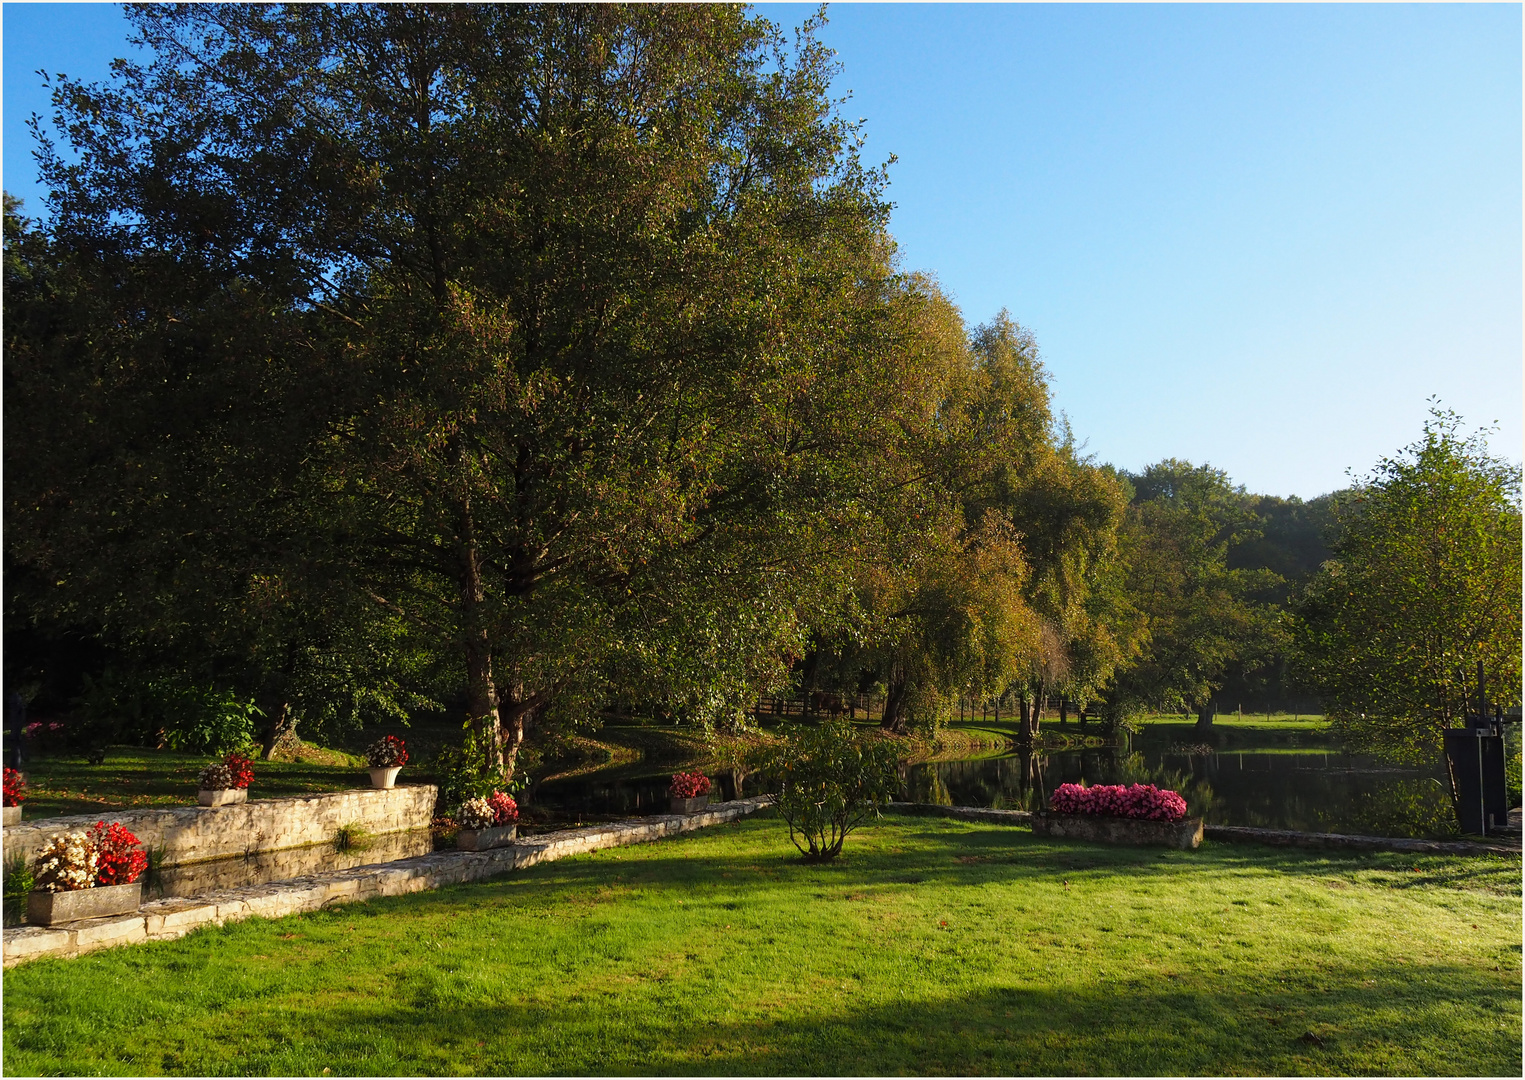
[
  {"x": 134, "y": 707},
  {"x": 830, "y": 782},
  {"x": 464, "y": 774},
  {"x": 353, "y": 837}
]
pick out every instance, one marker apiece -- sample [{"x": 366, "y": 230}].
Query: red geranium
[
  {"x": 504, "y": 810},
  {"x": 119, "y": 856},
  {"x": 689, "y": 785},
  {"x": 15, "y": 787},
  {"x": 241, "y": 769}
]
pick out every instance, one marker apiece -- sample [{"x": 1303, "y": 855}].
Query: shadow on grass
[{"x": 1434, "y": 1020}]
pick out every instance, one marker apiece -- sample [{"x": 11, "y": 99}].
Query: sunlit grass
[
  {"x": 932, "y": 946},
  {"x": 133, "y": 777}
]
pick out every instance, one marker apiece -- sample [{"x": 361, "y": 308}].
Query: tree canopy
[{"x": 1425, "y": 582}]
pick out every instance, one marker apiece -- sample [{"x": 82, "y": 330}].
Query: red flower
[
  {"x": 689, "y": 785},
  {"x": 241, "y": 768},
  {"x": 505, "y": 811},
  {"x": 119, "y": 857},
  {"x": 15, "y": 787}
]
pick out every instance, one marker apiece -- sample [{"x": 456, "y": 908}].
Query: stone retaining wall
[
  {"x": 163, "y": 920},
  {"x": 188, "y": 834}
]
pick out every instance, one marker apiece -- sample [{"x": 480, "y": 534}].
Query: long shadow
[{"x": 1437, "y": 1019}]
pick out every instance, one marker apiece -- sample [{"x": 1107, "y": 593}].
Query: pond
[
  {"x": 1272, "y": 782},
  {"x": 1309, "y": 790}
]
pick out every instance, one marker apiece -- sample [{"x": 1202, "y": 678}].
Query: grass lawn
[
  {"x": 1247, "y": 722},
  {"x": 134, "y": 777},
  {"x": 932, "y": 946}
]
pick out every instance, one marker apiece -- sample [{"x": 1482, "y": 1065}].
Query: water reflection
[
  {"x": 1312, "y": 791},
  {"x": 1283, "y": 786},
  {"x": 193, "y": 879}
]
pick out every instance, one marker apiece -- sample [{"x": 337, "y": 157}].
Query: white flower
[
  {"x": 476, "y": 814},
  {"x": 66, "y": 863}
]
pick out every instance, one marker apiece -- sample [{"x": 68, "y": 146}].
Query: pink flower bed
[{"x": 1113, "y": 800}]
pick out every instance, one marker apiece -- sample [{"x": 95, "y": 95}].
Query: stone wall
[
  {"x": 188, "y": 834},
  {"x": 162, "y": 920}
]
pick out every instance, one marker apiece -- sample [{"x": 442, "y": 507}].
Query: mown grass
[
  {"x": 932, "y": 946},
  {"x": 133, "y": 777}
]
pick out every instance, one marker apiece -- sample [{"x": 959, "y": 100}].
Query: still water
[
  {"x": 1279, "y": 787},
  {"x": 1311, "y": 790}
]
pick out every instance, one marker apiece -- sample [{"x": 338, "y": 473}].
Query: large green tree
[
  {"x": 571, "y": 332},
  {"x": 1424, "y": 583},
  {"x": 1198, "y": 615}
]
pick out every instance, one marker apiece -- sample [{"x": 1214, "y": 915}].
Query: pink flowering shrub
[{"x": 1113, "y": 800}]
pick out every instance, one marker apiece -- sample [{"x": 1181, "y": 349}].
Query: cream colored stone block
[
  {"x": 99, "y": 933},
  {"x": 30, "y": 942}
]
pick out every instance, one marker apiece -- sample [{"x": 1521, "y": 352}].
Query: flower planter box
[
  {"x": 385, "y": 777},
  {"x": 1184, "y": 834},
  {"x": 222, "y": 796},
  {"x": 12, "y": 815},
  {"x": 690, "y": 806},
  {"x": 49, "y": 908},
  {"x": 482, "y": 839}
]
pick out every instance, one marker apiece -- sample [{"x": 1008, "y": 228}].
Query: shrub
[
  {"x": 463, "y": 772},
  {"x": 387, "y": 752},
  {"x": 689, "y": 785},
  {"x": 133, "y": 706},
  {"x": 1143, "y": 801},
  {"x": 353, "y": 837},
  {"x": 830, "y": 782},
  {"x": 19, "y": 880},
  {"x": 15, "y": 787}
]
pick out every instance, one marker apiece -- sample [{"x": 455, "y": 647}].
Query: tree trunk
[
  {"x": 1205, "y": 713},
  {"x": 1064, "y": 710},
  {"x": 896, "y": 691},
  {"x": 282, "y": 722},
  {"x": 481, "y": 690}
]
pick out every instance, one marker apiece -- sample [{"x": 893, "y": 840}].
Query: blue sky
[{"x": 1255, "y": 236}]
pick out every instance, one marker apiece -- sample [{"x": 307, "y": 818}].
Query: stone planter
[
  {"x": 225, "y": 796},
  {"x": 1184, "y": 834},
  {"x": 482, "y": 839},
  {"x": 49, "y": 908},
  {"x": 385, "y": 777},
  {"x": 690, "y": 806},
  {"x": 12, "y": 815}
]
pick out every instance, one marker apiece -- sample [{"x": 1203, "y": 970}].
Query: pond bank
[{"x": 1236, "y": 835}]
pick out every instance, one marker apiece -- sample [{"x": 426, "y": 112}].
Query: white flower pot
[
  {"x": 48, "y": 908},
  {"x": 385, "y": 777},
  {"x": 222, "y": 796},
  {"x": 482, "y": 839},
  {"x": 12, "y": 815}
]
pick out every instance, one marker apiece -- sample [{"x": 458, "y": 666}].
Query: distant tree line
[{"x": 523, "y": 361}]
